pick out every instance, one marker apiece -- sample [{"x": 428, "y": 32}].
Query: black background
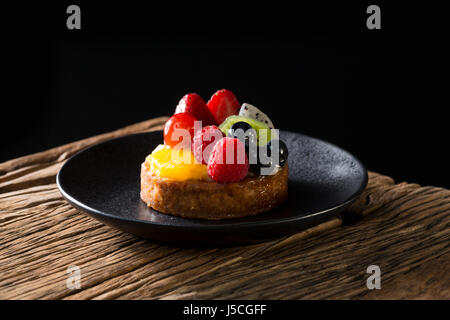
[
  {"x": 381, "y": 94},
  {"x": 276, "y": 309}
]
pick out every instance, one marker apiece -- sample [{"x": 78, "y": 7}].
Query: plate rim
[{"x": 238, "y": 224}]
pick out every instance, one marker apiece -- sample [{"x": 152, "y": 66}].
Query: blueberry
[
  {"x": 264, "y": 158},
  {"x": 244, "y": 132},
  {"x": 282, "y": 151},
  {"x": 269, "y": 150},
  {"x": 244, "y": 126}
]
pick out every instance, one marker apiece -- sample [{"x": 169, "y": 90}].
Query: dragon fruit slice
[{"x": 250, "y": 111}]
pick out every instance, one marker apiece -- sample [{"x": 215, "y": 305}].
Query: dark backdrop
[{"x": 381, "y": 94}]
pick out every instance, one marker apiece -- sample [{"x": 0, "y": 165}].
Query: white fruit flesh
[{"x": 250, "y": 111}]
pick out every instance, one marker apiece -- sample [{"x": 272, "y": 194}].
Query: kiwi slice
[{"x": 263, "y": 138}]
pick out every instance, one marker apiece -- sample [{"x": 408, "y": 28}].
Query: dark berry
[
  {"x": 241, "y": 125},
  {"x": 246, "y": 134},
  {"x": 282, "y": 151}
]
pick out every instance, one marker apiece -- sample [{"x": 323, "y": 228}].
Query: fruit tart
[{"x": 219, "y": 160}]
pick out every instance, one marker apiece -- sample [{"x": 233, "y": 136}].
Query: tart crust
[{"x": 211, "y": 200}]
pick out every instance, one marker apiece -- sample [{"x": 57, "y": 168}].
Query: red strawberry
[
  {"x": 228, "y": 161},
  {"x": 223, "y": 104},
  {"x": 195, "y": 105},
  {"x": 204, "y": 142},
  {"x": 179, "y": 130}
]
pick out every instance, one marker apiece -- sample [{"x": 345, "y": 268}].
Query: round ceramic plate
[{"x": 104, "y": 181}]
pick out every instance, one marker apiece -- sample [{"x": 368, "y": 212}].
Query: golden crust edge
[{"x": 214, "y": 201}]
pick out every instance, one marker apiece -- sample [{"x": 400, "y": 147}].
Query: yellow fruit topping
[{"x": 174, "y": 164}]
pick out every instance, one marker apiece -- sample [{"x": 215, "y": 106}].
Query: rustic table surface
[{"x": 403, "y": 228}]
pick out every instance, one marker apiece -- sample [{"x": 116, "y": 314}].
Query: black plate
[{"x": 104, "y": 181}]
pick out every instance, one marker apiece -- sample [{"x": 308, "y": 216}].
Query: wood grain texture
[{"x": 403, "y": 228}]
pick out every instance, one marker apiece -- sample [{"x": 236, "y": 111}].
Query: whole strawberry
[
  {"x": 195, "y": 105},
  {"x": 204, "y": 142},
  {"x": 223, "y": 104},
  {"x": 175, "y": 127},
  {"x": 228, "y": 161}
]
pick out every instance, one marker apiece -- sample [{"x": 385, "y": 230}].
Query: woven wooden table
[{"x": 403, "y": 228}]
